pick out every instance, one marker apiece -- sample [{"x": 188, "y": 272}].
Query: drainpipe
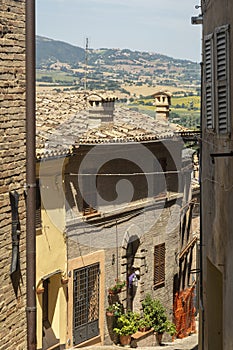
[
  {"x": 30, "y": 176},
  {"x": 201, "y": 223}
]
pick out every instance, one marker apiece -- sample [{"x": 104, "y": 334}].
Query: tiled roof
[
  {"x": 128, "y": 126},
  {"x": 63, "y": 122}
]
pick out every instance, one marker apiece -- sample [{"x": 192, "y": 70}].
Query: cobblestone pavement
[{"x": 188, "y": 343}]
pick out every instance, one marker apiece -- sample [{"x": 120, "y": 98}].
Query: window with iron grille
[
  {"x": 38, "y": 204},
  {"x": 85, "y": 303},
  {"x": 222, "y": 75},
  {"x": 159, "y": 265}
]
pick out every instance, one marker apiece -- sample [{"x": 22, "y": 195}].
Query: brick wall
[{"x": 12, "y": 174}]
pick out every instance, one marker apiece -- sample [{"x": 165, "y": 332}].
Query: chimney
[
  {"x": 101, "y": 107},
  {"x": 162, "y": 104}
]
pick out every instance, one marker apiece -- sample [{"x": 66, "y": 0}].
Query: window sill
[
  {"x": 159, "y": 285},
  {"x": 87, "y": 217}
]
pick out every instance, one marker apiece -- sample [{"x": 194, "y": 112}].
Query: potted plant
[
  {"x": 166, "y": 326},
  {"x": 117, "y": 287},
  {"x": 114, "y": 309},
  {"x": 127, "y": 324},
  {"x": 157, "y": 314}
]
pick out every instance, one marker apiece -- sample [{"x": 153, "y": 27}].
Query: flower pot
[
  {"x": 125, "y": 339},
  {"x": 109, "y": 313}
]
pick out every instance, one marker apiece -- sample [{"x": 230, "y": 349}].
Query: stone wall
[
  {"x": 157, "y": 231},
  {"x": 12, "y": 175}
]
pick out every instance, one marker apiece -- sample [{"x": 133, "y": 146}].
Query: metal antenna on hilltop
[{"x": 86, "y": 58}]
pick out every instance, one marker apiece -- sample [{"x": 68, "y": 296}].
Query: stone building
[
  {"x": 12, "y": 176},
  {"x": 216, "y": 323},
  {"x": 112, "y": 193}
]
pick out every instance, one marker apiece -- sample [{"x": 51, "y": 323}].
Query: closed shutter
[
  {"x": 222, "y": 71},
  {"x": 209, "y": 108},
  {"x": 159, "y": 265}
]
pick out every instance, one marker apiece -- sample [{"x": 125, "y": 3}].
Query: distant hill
[
  {"x": 113, "y": 69},
  {"x": 50, "y": 51}
]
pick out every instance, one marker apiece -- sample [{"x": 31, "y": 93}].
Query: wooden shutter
[
  {"x": 159, "y": 265},
  {"x": 208, "y": 80},
  {"x": 222, "y": 72}
]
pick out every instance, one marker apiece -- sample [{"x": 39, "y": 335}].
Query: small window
[{"x": 159, "y": 265}]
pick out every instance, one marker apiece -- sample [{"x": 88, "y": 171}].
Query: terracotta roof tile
[{"x": 63, "y": 121}]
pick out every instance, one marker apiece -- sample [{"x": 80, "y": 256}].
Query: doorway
[
  {"x": 48, "y": 306},
  {"x": 131, "y": 250},
  {"x": 85, "y": 303}
]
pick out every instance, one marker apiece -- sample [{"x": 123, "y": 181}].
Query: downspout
[
  {"x": 202, "y": 327},
  {"x": 30, "y": 176},
  {"x": 201, "y": 222}
]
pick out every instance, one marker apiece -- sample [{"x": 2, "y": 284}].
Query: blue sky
[{"x": 162, "y": 26}]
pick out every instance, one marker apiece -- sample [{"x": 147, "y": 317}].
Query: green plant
[
  {"x": 116, "y": 309},
  {"x": 166, "y": 326},
  {"x": 144, "y": 322},
  {"x": 157, "y": 314},
  {"x": 117, "y": 286},
  {"x": 127, "y": 324}
]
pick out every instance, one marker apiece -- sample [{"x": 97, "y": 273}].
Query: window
[{"x": 159, "y": 265}]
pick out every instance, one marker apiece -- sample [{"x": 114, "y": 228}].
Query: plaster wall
[
  {"x": 51, "y": 258},
  {"x": 217, "y": 203}
]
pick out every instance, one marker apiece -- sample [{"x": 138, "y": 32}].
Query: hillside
[
  {"x": 112, "y": 68},
  {"x": 49, "y": 51},
  {"x": 133, "y": 76}
]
